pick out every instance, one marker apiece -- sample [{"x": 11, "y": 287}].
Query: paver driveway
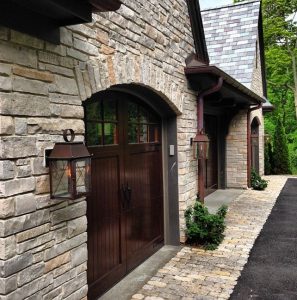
[{"x": 198, "y": 274}]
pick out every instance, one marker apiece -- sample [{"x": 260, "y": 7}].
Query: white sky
[{"x": 213, "y": 3}]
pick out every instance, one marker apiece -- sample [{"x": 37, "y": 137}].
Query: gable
[{"x": 231, "y": 34}]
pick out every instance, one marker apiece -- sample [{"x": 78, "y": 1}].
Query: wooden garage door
[{"x": 125, "y": 208}]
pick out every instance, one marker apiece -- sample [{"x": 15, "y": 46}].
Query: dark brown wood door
[
  {"x": 255, "y": 153},
  {"x": 211, "y": 168},
  {"x": 255, "y": 145},
  {"x": 125, "y": 208}
]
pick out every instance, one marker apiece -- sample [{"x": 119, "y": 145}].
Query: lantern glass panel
[
  {"x": 61, "y": 179},
  {"x": 82, "y": 169},
  {"x": 200, "y": 150},
  {"x": 206, "y": 146}
]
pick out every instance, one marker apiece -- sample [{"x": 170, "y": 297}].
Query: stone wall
[
  {"x": 236, "y": 152},
  {"x": 43, "y": 251},
  {"x": 257, "y": 87},
  {"x": 236, "y": 140}
]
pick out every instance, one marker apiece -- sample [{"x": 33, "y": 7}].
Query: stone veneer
[
  {"x": 236, "y": 152},
  {"x": 236, "y": 143},
  {"x": 257, "y": 86},
  {"x": 43, "y": 250}
]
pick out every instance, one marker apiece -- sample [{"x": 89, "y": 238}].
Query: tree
[
  {"x": 280, "y": 39},
  {"x": 281, "y": 158},
  {"x": 268, "y": 158}
]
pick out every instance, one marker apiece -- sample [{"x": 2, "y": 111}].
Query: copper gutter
[
  {"x": 200, "y": 129},
  {"x": 249, "y": 160},
  {"x": 213, "y": 70}
]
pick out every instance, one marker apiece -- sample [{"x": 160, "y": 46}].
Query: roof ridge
[{"x": 231, "y": 5}]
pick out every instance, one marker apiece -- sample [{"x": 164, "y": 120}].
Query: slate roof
[{"x": 231, "y": 33}]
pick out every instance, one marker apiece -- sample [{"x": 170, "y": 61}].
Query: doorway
[
  {"x": 255, "y": 144},
  {"x": 211, "y": 164},
  {"x": 125, "y": 209}
]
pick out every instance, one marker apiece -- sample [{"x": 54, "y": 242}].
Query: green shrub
[
  {"x": 281, "y": 158},
  {"x": 268, "y": 155},
  {"x": 257, "y": 182},
  {"x": 204, "y": 228}
]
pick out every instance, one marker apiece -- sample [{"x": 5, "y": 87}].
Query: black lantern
[
  {"x": 200, "y": 145},
  {"x": 70, "y": 169}
]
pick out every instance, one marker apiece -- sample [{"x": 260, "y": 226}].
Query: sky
[{"x": 213, "y": 3}]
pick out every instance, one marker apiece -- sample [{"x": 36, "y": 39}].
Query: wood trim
[
  {"x": 103, "y": 5},
  {"x": 42, "y": 19},
  {"x": 198, "y": 31}
]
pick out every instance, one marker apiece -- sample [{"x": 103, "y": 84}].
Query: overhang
[
  {"x": 232, "y": 94},
  {"x": 267, "y": 106},
  {"x": 42, "y": 18}
]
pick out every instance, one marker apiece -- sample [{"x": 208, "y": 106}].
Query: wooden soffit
[{"x": 43, "y": 18}]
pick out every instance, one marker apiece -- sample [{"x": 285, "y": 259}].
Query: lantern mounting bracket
[{"x": 66, "y": 137}]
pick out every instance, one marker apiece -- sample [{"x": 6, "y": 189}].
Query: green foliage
[
  {"x": 293, "y": 156},
  {"x": 257, "y": 182},
  {"x": 281, "y": 157},
  {"x": 204, "y": 228},
  {"x": 280, "y": 40},
  {"x": 268, "y": 158}
]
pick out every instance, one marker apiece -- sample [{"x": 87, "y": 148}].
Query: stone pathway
[{"x": 197, "y": 274}]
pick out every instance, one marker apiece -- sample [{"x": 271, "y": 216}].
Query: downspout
[
  {"x": 249, "y": 159},
  {"x": 200, "y": 129}
]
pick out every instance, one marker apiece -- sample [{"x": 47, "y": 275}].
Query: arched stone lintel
[
  {"x": 99, "y": 75},
  {"x": 256, "y": 121}
]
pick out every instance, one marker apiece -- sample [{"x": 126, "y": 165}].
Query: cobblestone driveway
[{"x": 198, "y": 274}]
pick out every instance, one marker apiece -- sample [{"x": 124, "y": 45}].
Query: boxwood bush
[
  {"x": 204, "y": 228},
  {"x": 257, "y": 182}
]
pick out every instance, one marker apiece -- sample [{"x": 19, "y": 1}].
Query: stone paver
[{"x": 198, "y": 274}]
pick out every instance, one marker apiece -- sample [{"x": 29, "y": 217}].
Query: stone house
[
  {"x": 235, "y": 45},
  {"x": 124, "y": 78}
]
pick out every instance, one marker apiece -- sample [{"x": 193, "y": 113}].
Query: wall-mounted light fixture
[
  {"x": 200, "y": 144},
  {"x": 69, "y": 168}
]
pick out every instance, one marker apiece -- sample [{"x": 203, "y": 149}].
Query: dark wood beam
[
  {"x": 198, "y": 31},
  {"x": 103, "y": 5},
  {"x": 27, "y": 21},
  {"x": 42, "y": 18},
  {"x": 58, "y": 9}
]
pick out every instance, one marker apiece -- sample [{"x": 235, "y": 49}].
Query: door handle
[
  {"x": 124, "y": 199},
  {"x": 127, "y": 191}
]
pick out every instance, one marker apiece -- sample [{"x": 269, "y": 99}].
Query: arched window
[{"x": 255, "y": 144}]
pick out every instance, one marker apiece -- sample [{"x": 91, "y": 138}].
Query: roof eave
[
  {"x": 103, "y": 5},
  {"x": 227, "y": 78}
]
